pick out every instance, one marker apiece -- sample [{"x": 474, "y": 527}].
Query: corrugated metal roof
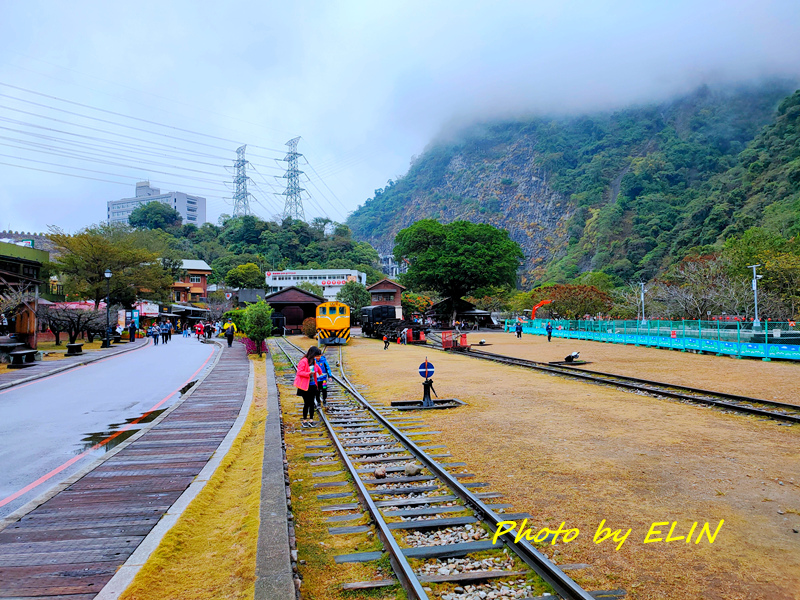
[{"x": 195, "y": 265}]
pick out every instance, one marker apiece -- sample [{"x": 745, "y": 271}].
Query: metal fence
[{"x": 770, "y": 340}]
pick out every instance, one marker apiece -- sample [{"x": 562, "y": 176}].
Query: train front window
[
  {"x": 322, "y": 310},
  {"x": 341, "y": 310}
]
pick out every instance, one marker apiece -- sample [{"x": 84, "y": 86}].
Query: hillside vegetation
[{"x": 627, "y": 193}]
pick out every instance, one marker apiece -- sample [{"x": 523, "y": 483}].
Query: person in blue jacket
[{"x": 322, "y": 387}]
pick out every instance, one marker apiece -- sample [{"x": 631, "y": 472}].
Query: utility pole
[
  {"x": 756, "y": 322},
  {"x": 241, "y": 197},
  {"x": 293, "y": 209},
  {"x": 644, "y": 321}
]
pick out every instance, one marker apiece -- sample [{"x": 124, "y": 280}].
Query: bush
[
  {"x": 252, "y": 347},
  {"x": 258, "y": 323},
  {"x": 310, "y": 327},
  {"x": 237, "y": 316}
]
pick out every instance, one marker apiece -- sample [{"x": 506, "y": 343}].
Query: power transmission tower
[
  {"x": 241, "y": 197},
  {"x": 293, "y": 208}
]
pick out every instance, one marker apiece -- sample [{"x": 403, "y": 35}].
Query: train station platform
[{"x": 104, "y": 522}]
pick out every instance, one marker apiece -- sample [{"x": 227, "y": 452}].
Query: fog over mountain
[{"x": 366, "y": 85}]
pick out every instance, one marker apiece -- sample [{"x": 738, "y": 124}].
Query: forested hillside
[{"x": 627, "y": 193}]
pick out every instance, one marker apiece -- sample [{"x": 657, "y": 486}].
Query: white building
[
  {"x": 331, "y": 280},
  {"x": 191, "y": 208}
]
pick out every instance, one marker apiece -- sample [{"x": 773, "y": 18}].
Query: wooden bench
[{"x": 22, "y": 358}]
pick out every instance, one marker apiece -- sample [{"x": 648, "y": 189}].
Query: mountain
[{"x": 625, "y": 192}]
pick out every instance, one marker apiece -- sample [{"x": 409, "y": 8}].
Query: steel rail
[
  {"x": 403, "y": 570},
  {"x": 653, "y": 387},
  {"x": 541, "y": 565}
]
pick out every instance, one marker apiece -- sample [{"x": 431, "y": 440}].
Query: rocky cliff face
[
  {"x": 609, "y": 192},
  {"x": 511, "y": 192}
]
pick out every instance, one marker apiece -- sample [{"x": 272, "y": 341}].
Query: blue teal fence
[{"x": 734, "y": 338}]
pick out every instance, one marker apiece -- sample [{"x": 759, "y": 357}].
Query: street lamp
[
  {"x": 107, "y": 275},
  {"x": 644, "y": 321},
  {"x": 756, "y": 322}
]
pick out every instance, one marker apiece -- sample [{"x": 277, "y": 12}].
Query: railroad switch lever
[{"x": 427, "y": 388}]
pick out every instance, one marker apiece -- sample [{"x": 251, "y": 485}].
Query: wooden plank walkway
[{"x": 70, "y": 546}]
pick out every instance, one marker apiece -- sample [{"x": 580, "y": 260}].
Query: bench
[
  {"x": 74, "y": 349},
  {"x": 22, "y": 358}
]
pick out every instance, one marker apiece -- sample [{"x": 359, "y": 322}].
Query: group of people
[
  {"x": 548, "y": 328},
  {"x": 161, "y": 330},
  {"x": 311, "y": 382}
]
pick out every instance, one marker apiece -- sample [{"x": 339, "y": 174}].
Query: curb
[
  {"x": 82, "y": 363},
  {"x": 274, "y": 574},
  {"x": 41, "y": 499},
  {"x": 126, "y": 573}
]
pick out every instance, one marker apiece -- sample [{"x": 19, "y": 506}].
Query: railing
[{"x": 771, "y": 340}]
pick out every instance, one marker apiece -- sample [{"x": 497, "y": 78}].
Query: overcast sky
[{"x": 366, "y": 85}]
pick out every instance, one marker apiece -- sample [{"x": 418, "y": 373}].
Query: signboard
[
  {"x": 426, "y": 369},
  {"x": 673, "y": 334},
  {"x": 26, "y": 243},
  {"x": 776, "y": 333},
  {"x": 228, "y": 295}
]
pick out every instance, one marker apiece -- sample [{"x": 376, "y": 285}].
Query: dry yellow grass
[
  {"x": 210, "y": 553},
  {"x": 579, "y": 453},
  {"x": 746, "y": 376}
]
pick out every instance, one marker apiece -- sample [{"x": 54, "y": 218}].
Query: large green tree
[
  {"x": 245, "y": 276},
  {"x": 136, "y": 270},
  {"x": 457, "y": 258},
  {"x": 154, "y": 215},
  {"x": 355, "y": 295}
]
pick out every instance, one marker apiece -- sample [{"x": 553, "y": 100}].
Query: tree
[
  {"x": 73, "y": 321},
  {"x": 311, "y": 287},
  {"x": 245, "y": 276},
  {"x": 84, "y": 257},
  {"x": 412, "y": 302},
  {"x": 457, "y": 258},
  {"x": 355, "y": 295},
  {"x": 155, "y": 215},
  {"x": 309, "y": 327},
  {"x": 258, "y": 323},
  {"x": 218, "y": 305},
  {"x": 573, "y": 301}
]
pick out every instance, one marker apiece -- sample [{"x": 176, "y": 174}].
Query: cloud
[{"x": 366, "y": 84}]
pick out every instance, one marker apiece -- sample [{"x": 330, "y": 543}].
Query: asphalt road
[{"x": 48, "y": 428}]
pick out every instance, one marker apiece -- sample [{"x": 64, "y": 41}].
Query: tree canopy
[
  {"x": 456, "y": 258},
  {"x": 355, "y": 295},
  {"x": 245, "y": 276},
  {"x": 154, "y": 215}
]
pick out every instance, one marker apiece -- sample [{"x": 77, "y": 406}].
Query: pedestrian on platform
[
  {"x": 322, "y": 387},
  {"x": 230, "y": 330},
  {"x": 305, "y": 381},
  {"x": 132, "y": 330},
  {"x": 518, "y": 329},
  {"x": 549, "y": 329},
  {"x": 385, "y": 343}
]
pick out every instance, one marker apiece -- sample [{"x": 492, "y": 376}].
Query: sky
[{"x": 95, "y": 96}]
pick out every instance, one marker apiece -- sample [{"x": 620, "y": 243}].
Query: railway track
[
  {"x": 442, "y": 522},
  {"x": 770, "y": 409}
]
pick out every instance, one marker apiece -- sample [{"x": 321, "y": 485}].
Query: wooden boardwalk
[{"x": 69, "y": 547}]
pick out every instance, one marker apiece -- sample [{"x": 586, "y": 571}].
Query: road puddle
[{"x": 116, "y": 433}]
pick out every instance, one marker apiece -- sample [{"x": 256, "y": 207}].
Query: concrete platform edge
[
  {"x": 89, "y": 360},
  {"x": 42, "y": 498},
  {"x": 126, "y": 573},
  {"x": 274, "y": 577}
]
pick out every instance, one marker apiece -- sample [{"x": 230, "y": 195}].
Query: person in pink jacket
[{"x": 308, "y": 373}]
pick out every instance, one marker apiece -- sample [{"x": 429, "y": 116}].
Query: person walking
[
  {"x": 230, "y": 330},
  {"x": 306, "y": 383},
  {"x": 155, "y": 333},
  {"x": 385, "y": 343},
  {"x": 198, "y": 330},
  {"x": 164, "y": 332},
  {"x": 403, "y": 336},
  {"x": 518, "y": 329},
  {"x": 549, "y": 329},
  {"x": 170, "y": 328},
  {"x": 132, "y": 330},
  {"x": 322, "y": 386},
  {"x": 186, "y": 332}
]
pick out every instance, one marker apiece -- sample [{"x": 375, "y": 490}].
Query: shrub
[
  {"x": 258, "y": 323},
  {"x": 252, "y": 347},
  {"x": 310, "y": 327}
]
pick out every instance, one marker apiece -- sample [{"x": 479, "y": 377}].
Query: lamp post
[
  {"x": 756, "y": 322},
  {"x": 107, "y": 275},
  {"x": 644, "y": 320}
]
